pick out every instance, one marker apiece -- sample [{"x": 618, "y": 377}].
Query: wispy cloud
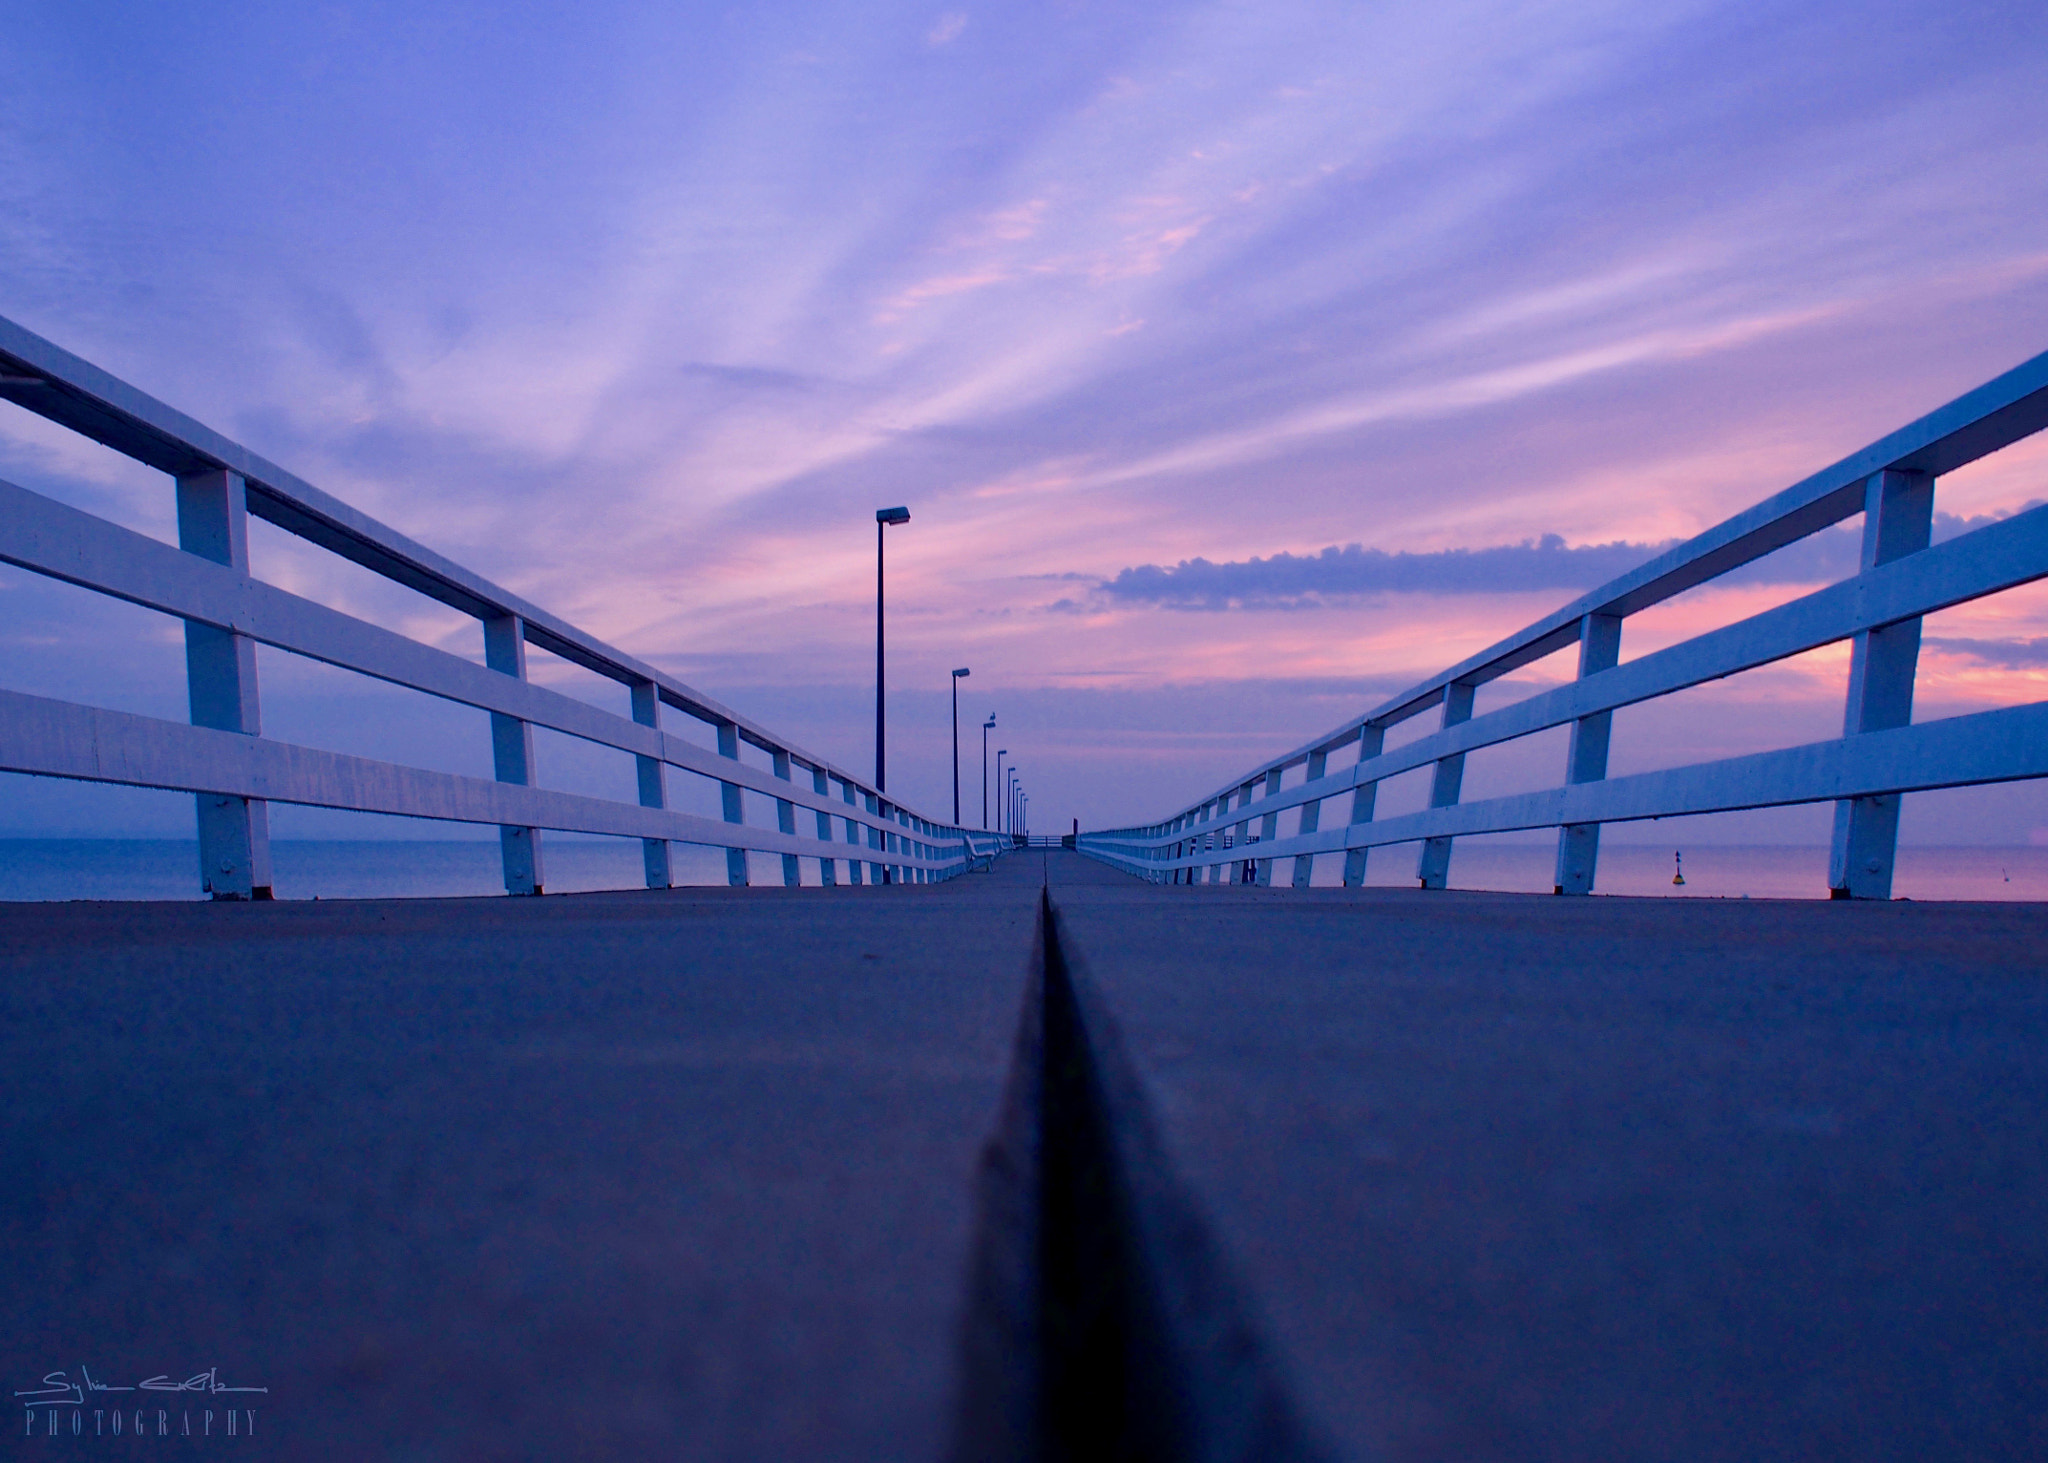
[
  {"x": 939, "y": 287},
  {"x": 2006, "y": 655}
]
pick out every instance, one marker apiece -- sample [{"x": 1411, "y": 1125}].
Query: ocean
[
  {"x": 1732, "y": 871},
  {"x": 38, "y": 869},
  {"x": 168, "y": 868}
]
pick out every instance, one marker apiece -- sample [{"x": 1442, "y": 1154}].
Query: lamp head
[
  {"x": 961, "y": 672},
  {"x": 991, "y": 720},
  {"x": 892, "y": 515}
]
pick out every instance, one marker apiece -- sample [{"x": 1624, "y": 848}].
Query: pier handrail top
[
  {"x": 46, "y": 379},
  {"x": 1976, "y": 424}
]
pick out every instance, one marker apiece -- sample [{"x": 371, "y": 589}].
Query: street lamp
[
  {"x": 984, "y": 769},
  {"x": 1001, "y": 752},
  {"x": 956, "y": 744},
  {"x": 884, "y": 518},
  {"x": 1010, "y": 798}
]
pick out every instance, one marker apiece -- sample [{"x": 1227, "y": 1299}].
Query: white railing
[
  {"x": 235, "y": 771},
  {"x": 1880, "y": 755}
]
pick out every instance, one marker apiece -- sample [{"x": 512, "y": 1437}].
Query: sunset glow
[{"x": 642, "y": 311}]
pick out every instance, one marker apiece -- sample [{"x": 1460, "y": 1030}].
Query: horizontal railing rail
[
  {"x": 236, "y": 772},
  {"x": 1880, "y": 755}
]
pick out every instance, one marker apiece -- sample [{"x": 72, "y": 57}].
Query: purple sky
[{"x": 642, "y": 311}]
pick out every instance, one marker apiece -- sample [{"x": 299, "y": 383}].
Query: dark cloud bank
[{"x": 1305, "y": 581}]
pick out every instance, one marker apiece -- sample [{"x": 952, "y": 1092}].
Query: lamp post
[
  {"x": 956, "y": 744},
  {"x": 984, "y": 769},
  {"x": 1001, "y": 752},
  {"x": 1010, "y": 799},
  {"x": 884, "y": 518}
]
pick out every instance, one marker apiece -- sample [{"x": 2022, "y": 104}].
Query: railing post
[
  {"x": 1311, "y": 817},
  {"x": 853, "y": 865},
  {"x": 874, "y": 807},
  {"x": 512, "y": 754},
  {"x": 1371, "y": 740},
  {"x": 1243, "y": 834},
  {"x": 653, "y": 784},
  {"x": 1269, "y": 829},
  {"x": 1433, "y": 869},
  {"x": 785, "y": 820},
  {"x": 1578, "y": 844},
  {"x": 828, "y": 870},
  {"x": 1225, "y": 872},
  {"x": 1898, "y": 517},
  {"x": 735, "y": 810},
  {"x": 220, "y": 684}
]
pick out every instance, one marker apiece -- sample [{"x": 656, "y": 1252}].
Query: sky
[{"x": 1240, "y": 363}]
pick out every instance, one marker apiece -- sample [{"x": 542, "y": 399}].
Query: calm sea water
[
  {"x": 1735, "y": 871},
  {"x": 100, "y": 868},
  {"x": 109, "y": 868}
]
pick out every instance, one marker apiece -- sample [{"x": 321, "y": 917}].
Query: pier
[{"x": 912, "y": 1141}]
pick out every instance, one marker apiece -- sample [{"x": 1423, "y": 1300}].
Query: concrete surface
[
  {"x": 1534, "y": 1178},
  {"x": 679, "y": 1175},
  {"x": 695, "y": 1175}
]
